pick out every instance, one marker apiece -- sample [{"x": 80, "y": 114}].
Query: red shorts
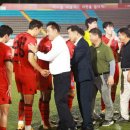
[
  {"x": 44, "y": 83},
  {"x": 26, "y": 81},
  {"x": 4, "y": 98}
]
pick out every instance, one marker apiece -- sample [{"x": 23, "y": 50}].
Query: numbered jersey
[{"x": 21, "y": 50}]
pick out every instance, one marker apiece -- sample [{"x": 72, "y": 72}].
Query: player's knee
[{"x": 4, "y": 112}]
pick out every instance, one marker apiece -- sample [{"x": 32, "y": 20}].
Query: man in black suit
[{"x": 83, "y": 74}]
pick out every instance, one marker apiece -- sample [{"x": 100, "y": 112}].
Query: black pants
[
  {"x": 61, "y": 89},
  {"x": 84, "y": 96}
]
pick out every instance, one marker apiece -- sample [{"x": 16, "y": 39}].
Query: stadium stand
[
  {"x": 19, "y": 23},
  {"x": 120, "y": 18},
  {"x": 92, "y": 13},
  {"x": 14, "y": 19},
  {"x": 65, "y": 1}
]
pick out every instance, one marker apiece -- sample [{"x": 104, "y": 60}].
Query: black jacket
[{"x": 81, "y": 62}]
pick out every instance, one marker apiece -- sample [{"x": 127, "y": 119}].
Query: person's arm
[
  {"x": 79, "y": 54},
  {"x": 9, "y": 71},
  {"x": 52, "y": 54},
  {"x": 32, "y": 61},
  {"x": 112, "y": 67},
  {"x": 110, "y": 59},
  {"x": 112, "y": 72}
]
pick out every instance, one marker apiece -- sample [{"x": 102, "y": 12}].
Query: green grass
[{"x": 12, "y": 121}]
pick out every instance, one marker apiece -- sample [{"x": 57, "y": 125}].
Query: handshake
[{"x": 44, "y": 72}]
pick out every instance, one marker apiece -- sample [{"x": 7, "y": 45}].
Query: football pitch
[{"x": 12, "y": 121}]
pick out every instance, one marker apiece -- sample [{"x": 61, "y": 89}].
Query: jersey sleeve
[
  {"x": 33, "y": 42},
  {"x": 8, "y": 54}
]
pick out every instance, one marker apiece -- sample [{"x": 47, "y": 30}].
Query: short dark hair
[
  {"x": 90, "y": 20},
  {"x": 96, "y": 31},
  {"x": 54, "y": 25},
  {"x": 128, "y": 26},
  {"x": 76, "y": 28},
  {"x": 5, "y": 29},
  {"x": 105, "y": 24},
  {"x": 35, "y": 23},
  {"x": 124, "y": 30}
]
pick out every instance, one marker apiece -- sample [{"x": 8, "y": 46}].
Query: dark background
[{"x": 64, "y": 1}]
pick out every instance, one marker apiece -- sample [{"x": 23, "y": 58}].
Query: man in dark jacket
[{"x": 83, "y": 74}]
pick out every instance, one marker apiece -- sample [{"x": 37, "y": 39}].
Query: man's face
[
  {"x": 51, "y": 33},
  {"x": 93, "y": 38},
  {"x": 93, "y": 25},
  {"x": 7, "y": 38},
  {"x": 122, "y": 37},
  {"x": 72, "y": 35},
  {"x": 37, "y": 31},
  {"x": 109, "y": 30}
]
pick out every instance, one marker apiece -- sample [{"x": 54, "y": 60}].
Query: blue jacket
[{"x": 81, "y": 62}]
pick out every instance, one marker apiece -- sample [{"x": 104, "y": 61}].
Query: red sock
[
  {"x": 45, "y": 111},
  {"x": 113, "y": 94},
  {"x": 70, "y": 101},
  {"x": 102, "y": 104},
  {"x": 21, "y": 110},
  {"x": 41, "y": 105},
  {"x": 28, "y": 114},
  {"x": 2, "y": 128}
]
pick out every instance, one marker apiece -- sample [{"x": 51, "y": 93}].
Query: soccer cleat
[
  {"x": 108, "y": 123},
  {"x": 21, "y": 127},
  {"x": 122, "y": 120}
]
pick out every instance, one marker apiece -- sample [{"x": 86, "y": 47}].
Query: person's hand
[
  {"x": 45, "y": 73},
  {"x": 110, "y": 80},
  {"x": 128, "y": 77},
  {"x": 33, "y": 48},
  {"x": 9, "y": 91}
]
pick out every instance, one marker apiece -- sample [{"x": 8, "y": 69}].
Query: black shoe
[
  {"x": 96, "y": 117},
  {"x": 116, "y": 117},
  {"x": 87, "y": 128},
  {"x": 79, "y": 125},
  {"x": 122, "y": 120},
  {"x": 75, "y": 128},
  {"x": 102, "y": 115},
  {"x": 107, "y": 123}
]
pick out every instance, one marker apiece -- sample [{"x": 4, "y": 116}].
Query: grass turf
[{"x": 12, "y": 120}]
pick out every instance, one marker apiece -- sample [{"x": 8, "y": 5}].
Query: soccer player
[
  {"x": 111, "y": 40},
  {"x": 90, "y": 23},
  {"x": 6, "y": 70},
  {"x": 72, "y": 86},
  {"x": 25, "y": 67},
  {"x": 45, "y": 84}
]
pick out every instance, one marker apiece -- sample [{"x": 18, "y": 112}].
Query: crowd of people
[{"x": 87, "y": 61}]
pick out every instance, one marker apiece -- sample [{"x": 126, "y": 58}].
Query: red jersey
[
  {"x": 5, "y": 55},
  {"x": 21, "y": 51},
  {"x": 114, "y": 46},
  {"x": 44, "y": 46},
  {"x": 44, "y": 83},
  {"x": 71, "y": 47}
]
